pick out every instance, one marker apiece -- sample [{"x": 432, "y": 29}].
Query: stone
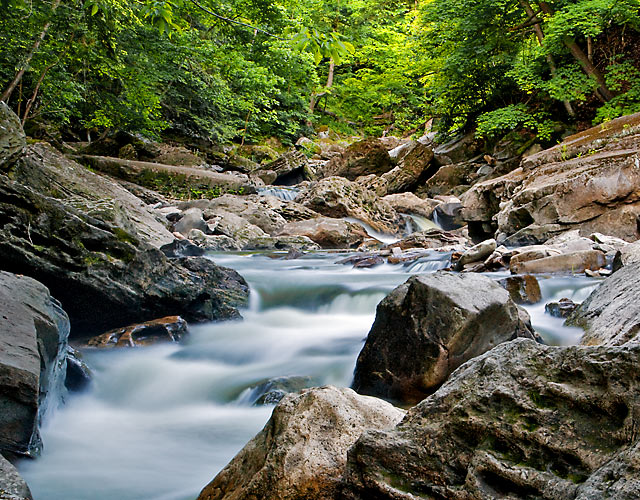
[
  {"x": 270, "y": 392},
  {"x": 12, "y": 138},
  {"x": 373, "y": 183},
  {"x": 33, "y": 341},
  {"x": 79, "y": 375},
  {"x": 235, "y": 227},
  {"x": 338, "y": 197},
  {"x": 447, "y": 215},
  {"x": 477, "y": 253},
  {"x": 364, "y": 260},
  {"x": 409, "y": 203},
  {"x": 327, "y": 232},
  {"x": 589, "y": 182},
  {"x": 213, "y": 243},
  {"x": 523, "y": 420},
  {"x": 302, "y": 450},
  {"x": 192, "y": 218},
  {"x": 414, "y": 168},
  {"x": 291, "y": 168},
  {"x": 628, "y": 255},
  {"x": 12, "y": 485},
  {"x": 300, "y": 243},
  {"x": 183, "y": 248},
  {"x": 360, "y": 158},
  {"x": 428, "y": 327},
  {"x": 450, "y": 180},
  {"x": 167, "y": 329},
  {"x": 522, "y": 289},
  {"x": 574, "y": 262},
  {"x": 610, "y": 315},
  {"x": 431, "y": 238},
  {"x": 561, "y": 309},
  {"x": 458, "y": 149}
]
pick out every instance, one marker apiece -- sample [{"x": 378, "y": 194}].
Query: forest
[{"x": 247, "y": 70}]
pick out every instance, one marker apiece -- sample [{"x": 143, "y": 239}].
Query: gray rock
[
  {"x": 414, "y": 167},
  {"x": 521, "y": 421},
  {"x": 360, "y": 158},
  {"x": 574, "y": 262},
  {"x": 630, "y": 254},
  {"x": 12, "y": 138},
  {"x": 214, "y": 243},
  {"x": 611, "y": 314},
  {"x": 561, "y": 309},
  {"x": 302, "y": 243},
  {"x": 191, "y": 219},
  {"x": 79, "y": 375},
  {"x": 477, "y": 253},
  {"x": 327, "y": 232},
  {"x": 12, "y": 485},
  {"x": 33, "y": 342},
  {"x": 270, "y": 392},
  {"x": 301, "y": 452},
  {"x": 428, "y": 327}
]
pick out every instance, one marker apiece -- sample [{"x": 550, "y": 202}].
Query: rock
[
  {"x": 327, "y": 232},
  {"x": 610, "y": 315},
  {"x": 365, "y": 260},
  {"x": 96, "y": 263},
  {"x": 628, "y": 255},
  {"x": 338, "y": 197},
  {"x": 413, "y": 169},
  {"x": 533, "y": 252},
  {"x": 291, "y": 168},
  {"x": 12, "y": 138},
  {"x": 428, "y": 327},
  {"x": 254, "y": 209},
  {"x": 409, "y": 203},
  {"x": 360, "y": 158},
  {"x": 431, "y": 238},
  {"x": 561, "y": 309},
  {"x": 477, "y": 253},
  {"x": 450, "y": 180},
  {"x": 33, "y": 342},
  {"x": 302, "y": 450},
  {"x": 589, "y": 182},
  {"x": 373, "y": 183},
  {"x": 235, "y": 227},
  {"x": 447, "y": 215},
  {"x": 301, "y": 243},
  {"x": 12, "y": 485},
  {"x": 191, "y": 219},
  {"x": 458, "y": 149},
  {"x": 574, "y": 262},
  {"x": 79, "y": 375},
  {"x": 167, "y": 329},
  {"x": 183, "y": 248},
  {"x": 523, "y": 420},
  {"x": 213, "y": 243},
  {"x": 522, "y": 289},
  {"x": 270, "y": 392}
]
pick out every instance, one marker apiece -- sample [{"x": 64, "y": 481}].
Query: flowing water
[{"x": 159, "y": 422}]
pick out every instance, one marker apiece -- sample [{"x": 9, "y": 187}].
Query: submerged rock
[
  {"x": 167, "y": 329},
  {"x": 561, "y": 309},
  {"x": 521, "y": 421},
  {"x": 33, "y": 342},
  {"x": 302, "y": 450},
  {"x": 271, "y": 391},
  {"x": 522, "y": 289},
  {"x": 428, "y": 327}
]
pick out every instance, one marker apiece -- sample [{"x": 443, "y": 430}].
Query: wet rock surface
[
  {"x": 278, "y": 465},
  {"x": 12, "y": 486},
  {"x": 33, "y": 341},
  {"x": 428, "y": 327},
  {"x": 561, "y": 309},
  {"x": 167, "y": 329},
  {"x": 522, "y": 289},
  {"x": 609, "y": 315},
  {"x": 521, "y": 421}
]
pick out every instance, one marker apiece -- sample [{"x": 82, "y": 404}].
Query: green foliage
[
  {"x": 624, "y": 78},
  {"x": 497, "y": 123}
]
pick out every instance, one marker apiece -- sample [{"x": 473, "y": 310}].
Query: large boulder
[
  {"x": 573, "y": 262},
  {"x": 409, "y": 203},
  {"x": 428, "y": 327},
  {"x": 360, "y": 158},
  {"x": 94, "y": 245},
  {"x": 33, "y": 346},
  {"x": 521, "y": 421},
  {"x": 338, "y": 197},
  {"x": 302, "y": 451},
  {"x": 291, "y": 168},
  {"x": 611, "y": 314},
  {"x": 414, "y": 168},
  {"x": 588, "y": 182},
  {"x": 327, "y": 232}
]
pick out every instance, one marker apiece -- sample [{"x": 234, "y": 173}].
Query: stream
[{"x": 159, "y": 422}]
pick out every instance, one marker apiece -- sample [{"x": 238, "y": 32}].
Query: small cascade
[
  {"x": 415, "y": 223},
  {"x": 283, "y": 192},
  {"x": 383, "y": 237}
]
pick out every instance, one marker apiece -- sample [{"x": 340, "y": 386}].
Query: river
[{"x": 159, "y": 422}]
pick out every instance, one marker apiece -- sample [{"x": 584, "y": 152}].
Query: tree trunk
[
  {"x": 540, "y": 35},
  {"x": 315, "y": 98},
  {"x": 34, "y": 48},
  {"x": 582, "y": 58}
]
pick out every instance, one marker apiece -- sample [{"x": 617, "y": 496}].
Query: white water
[
  {"x": 282, "y": 192},
  {"x": 160, "y": 422}
]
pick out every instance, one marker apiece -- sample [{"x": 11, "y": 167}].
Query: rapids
[{"x": 159, "y": 422}]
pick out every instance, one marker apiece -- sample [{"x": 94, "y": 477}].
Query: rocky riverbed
[{"x": 461, "y": 251}]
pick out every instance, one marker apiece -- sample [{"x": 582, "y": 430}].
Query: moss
[
  {"x": 541, "y": 401},
  {"x": 122, "y": 235}
]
